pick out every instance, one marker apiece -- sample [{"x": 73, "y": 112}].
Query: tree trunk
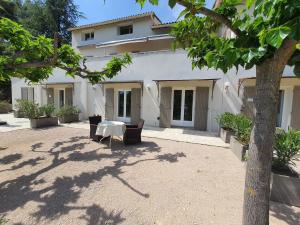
[
  {"x": 258, "y": 174},
  {"x": 257, "y": 184}
]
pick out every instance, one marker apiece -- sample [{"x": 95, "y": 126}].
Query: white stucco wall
[
  {"x": 163, "y": 65},
  {"x": 141, "y": 28}
]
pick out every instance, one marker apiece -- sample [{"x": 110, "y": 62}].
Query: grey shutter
[
  {"x": 165, "y": 107},
  {"x": 30, "y": 92},
  {"x": 136, "y": 94},
  {"x": 295, "y": 117},
  {"x": 248, "y": 107},
  {"x": 69, "y": 96},
  {"x": 109, "y": 104},
  {"x": 50, "y": 96},
  {"x": 24, "y": 93},
  {"x": 201, "y": 108}
]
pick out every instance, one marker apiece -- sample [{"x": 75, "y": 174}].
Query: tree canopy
[
  {"x": 23, "y": 55},
  {"x": 47, "y": 17},
  {"x": 256, "y": 37}
]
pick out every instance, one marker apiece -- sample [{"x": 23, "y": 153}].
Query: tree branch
[{"x": 210, "y": 13}]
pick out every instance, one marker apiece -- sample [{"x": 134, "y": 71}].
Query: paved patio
[
  {"x": 174, "y": 134},
  {"x": 57, "y": 176}
]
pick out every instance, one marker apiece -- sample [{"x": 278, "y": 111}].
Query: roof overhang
[
  {"x": 122, "y": 84},
  {"x": 58, "y": 84},
  {"x": 133, "y": 40},
  {"x": 192, "y": 81},
  {"x": 285, "y": 81},
  {"x": 152, "y": 15}
]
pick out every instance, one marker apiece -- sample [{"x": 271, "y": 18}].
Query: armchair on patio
[
  {"x": 133, "y": 133},
  {"x": 94, "y": 120}
]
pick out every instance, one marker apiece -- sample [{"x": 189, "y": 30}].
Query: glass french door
[
  {"x": 61, "y": 98},
  {"x": 124, "y": 105},
  {"x": 183, "y": 101},
  {"x": 280, "y": 108}
]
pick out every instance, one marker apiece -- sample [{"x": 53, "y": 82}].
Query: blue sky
[{"x": 98, "y": 10}]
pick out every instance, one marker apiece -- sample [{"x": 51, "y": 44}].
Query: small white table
[{"x": 110, "y": 128}]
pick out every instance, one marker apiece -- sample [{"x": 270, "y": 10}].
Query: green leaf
[
  {"x": 294, "y": 25},
  {"x": 298, "y": 46},
  {"x": 276, "y": 36},
  {"x": 183, "y": 13},
  {"x": 172, "y": 3},
  {"x": 250, "y": 3}
]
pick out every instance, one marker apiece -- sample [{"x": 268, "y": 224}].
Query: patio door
[
  {"x": 183, "y": 102},
  {"x": 124, "y": 105},
  {"x": 61, "y": 98}
]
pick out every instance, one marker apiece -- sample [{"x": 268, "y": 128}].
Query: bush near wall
[
  {"x": 5, "y": 107},
  {"x": 239, "y": 124}
]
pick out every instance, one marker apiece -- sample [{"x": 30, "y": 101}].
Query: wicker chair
[
  {"x": 94, "y": 120},
  {"x": 133, "y": 133}
]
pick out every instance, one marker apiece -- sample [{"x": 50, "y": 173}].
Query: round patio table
[{"x": 110, "y": 128}]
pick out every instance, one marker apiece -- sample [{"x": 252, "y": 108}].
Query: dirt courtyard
[{"x": 57, "y": 176}]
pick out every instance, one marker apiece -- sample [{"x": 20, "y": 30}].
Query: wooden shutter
[
  {"x": 50, "y": 96},
  {"x": 165, "y": 107},
  {"x": 30, "y": 92},
  {"x": 109, "y": 104},
  {"x": 69, "y": 96},
  {"x": 295, "y": 117},
  {"x": 201, "y": 108},
  {"x": 24, "y": 93},
  {"x": 248, "y": 107},
  {"x": 136, "y": 96}
]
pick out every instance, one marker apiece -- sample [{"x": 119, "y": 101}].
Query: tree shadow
[
  {"x": 10, "y": 158},
  {"x": 96, "y": 215},
  {"x": 30, "y": 162},
  {"x": 285, "y": 213},
  {"x": 54, "y": 200}
]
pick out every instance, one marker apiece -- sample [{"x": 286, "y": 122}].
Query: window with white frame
[
  {"x": 123, "y": 30},
  {"x": 89, "y": 36}
]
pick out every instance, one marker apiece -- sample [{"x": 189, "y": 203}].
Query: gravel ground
[{"x": 56, "y": 176}]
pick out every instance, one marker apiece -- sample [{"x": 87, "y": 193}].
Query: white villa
[{"x": 159, "y": 86}]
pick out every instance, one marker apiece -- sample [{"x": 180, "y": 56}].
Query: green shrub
[
  {"x": 5, "y": 107},
  {"x": 31, "y": 110},
  {"x": 286, "y": 147},
  {"x": 47, "y": 110},
  {"x": 67, "y": 111},
  {"x": 20, "y": 104},
  {"x": 242, "y": 127},
  {"x": 3, "y": 220},
  {"x": 226, "y": 121}
]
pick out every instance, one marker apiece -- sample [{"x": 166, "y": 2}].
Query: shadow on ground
[
  {"x": 55, "y": 199},
  {"x": 285, "y": 213}
]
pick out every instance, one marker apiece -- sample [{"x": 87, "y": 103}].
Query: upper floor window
[
  {"x": 126, "y": 30},
  {"x": 89, "y": 36}
]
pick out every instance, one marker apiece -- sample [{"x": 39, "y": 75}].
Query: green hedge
[{"x": 239, "y": 124}]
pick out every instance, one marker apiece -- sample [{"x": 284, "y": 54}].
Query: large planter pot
[
  {"x": 238, "y": 149},
  {"x": 43, "y": 122},
  {"x": 225, "y": 135},
  {"x": 69, "y": 118},
  {"x": 19, "y": 114},
  {"x": 285, "y": 189}
]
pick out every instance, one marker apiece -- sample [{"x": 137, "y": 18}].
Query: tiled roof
[
  {"x": 121, "y": 19},
  {"x": 169, "y": 24}
]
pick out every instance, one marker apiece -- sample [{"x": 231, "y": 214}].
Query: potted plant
[
  {"x": 68, "y": 114},
  {"x": 239, "y": 143},
  {"x": 40, "y": 116},
  {"x": 19, "y": 108},
  {"x": 285, "y": 183},
  {"x": 226, "y": 126}
]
